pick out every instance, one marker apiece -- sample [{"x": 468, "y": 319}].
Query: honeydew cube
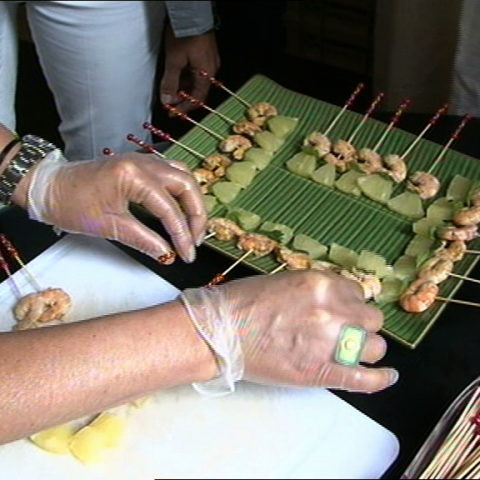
[
  {"x": 376, "y": 187},
  {"x": 259, "y": 157},
  {"x": 247, "y": 220},
  {"x": 276, "y": 231},
  {"x": 348, "y": 183},
  {"x": 325, "y": 175},
  {"x": 281, "y": 126},
  {"x": 459, "y": 188},
  {"x": 302, "y": 164},
  {"x": 226, "y": 191},
  {"x": 309, "y": 245},
  {"x": 268, "y": 141},
  {"x": 405, "y": 267},
  {"x": 210, "y": 202},
  {"x": 345, "y": 257},
  {"x": 408, "y": 204}
]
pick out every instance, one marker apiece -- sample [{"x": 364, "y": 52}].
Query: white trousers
[{"x": 99, "y": 60}]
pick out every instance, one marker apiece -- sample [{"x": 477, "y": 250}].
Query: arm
[{"x": 51, "y": 375}]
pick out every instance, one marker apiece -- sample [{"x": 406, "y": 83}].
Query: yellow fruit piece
[
  {"x": 88, "y": 445},
  {"x": 111, "y": 427},
  {"x": 54, "y": 440},
  {"x": 141, "y": 402}
]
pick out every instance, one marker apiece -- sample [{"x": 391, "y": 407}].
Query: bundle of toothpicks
[{"x": 458, "y": 455}]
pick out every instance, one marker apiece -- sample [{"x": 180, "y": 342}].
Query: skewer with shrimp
[
  {"x": 318, "y": 142},
  {"x": 370, "y": 161},
  {"x": 213, "y": 166},
  {"x": 258, "y": 113},
  {"x": 40, "y": 307},
  {"x": 343, "y": 153},
  {"x": 424, "y": 182},
  {"x": 235, "y": 145}
]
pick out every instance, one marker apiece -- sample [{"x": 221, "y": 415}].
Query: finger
[
  {"x": 129, "y": 231},
  {"x": 368, "y": 317},
  {"x": 186, "y": 190},
  {"x": 361, "y": 379},
  {"x": 169, "y": 84},
  {"x": 166, "y": 209},
  {"x": 200, "y": 88},
  {"x": 374, "y": 349}
]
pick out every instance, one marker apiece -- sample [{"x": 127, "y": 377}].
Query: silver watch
[{"x": 32, "y": 150}]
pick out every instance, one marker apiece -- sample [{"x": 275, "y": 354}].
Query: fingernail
[
  {"x": 166, "y": 98},
  {"x": 190, "y": 257},
  {"x": 167, "y": 257},
  {"x": 393, "y": 377},
  {"x": 200, "y": 240}
]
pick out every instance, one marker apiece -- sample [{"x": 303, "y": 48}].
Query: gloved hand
[
  {"x": 283, "y": 329},
  {"x": 92, "y": 197}
]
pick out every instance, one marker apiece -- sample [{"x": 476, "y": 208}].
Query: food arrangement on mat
[{"x": 347, "y": 182}]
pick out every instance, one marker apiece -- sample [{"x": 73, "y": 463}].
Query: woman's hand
[
  {"x": 183, "y": 56},
  {"x": 284, "y": 329},
  {"x": 92, "y": 197}
]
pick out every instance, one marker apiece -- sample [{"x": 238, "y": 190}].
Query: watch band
[{"x": 33, "y": 150}]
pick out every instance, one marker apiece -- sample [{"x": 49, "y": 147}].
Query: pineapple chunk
[{"x": 54, "y": 440}]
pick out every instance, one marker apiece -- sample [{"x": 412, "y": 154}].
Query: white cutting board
[{"x": 258, "y": 432}]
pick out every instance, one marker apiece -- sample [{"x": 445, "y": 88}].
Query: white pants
[{"x": 99, "y": 59}]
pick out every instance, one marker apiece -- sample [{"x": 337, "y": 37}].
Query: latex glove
[
  {"x": 283, "y": 329},
  {"x": 92, "y": 197},
  {"x": 183, "y": 56}
]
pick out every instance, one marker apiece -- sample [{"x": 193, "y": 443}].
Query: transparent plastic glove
[
  {"x": 283, "y": 329},
  {"x": 92, "y": 197}
]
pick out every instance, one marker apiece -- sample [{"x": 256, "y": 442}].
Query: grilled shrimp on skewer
[
  {"x": 319, "y": 142},
  {"x": 423, "y": 183},
  {"x": 237, "y": 145},
  {"x": 395, "y": 167},
  {"x": 259, "y": 244},
  {"x": 261, "y": 112},
  {"x": 293, "y": 260},
  {"x": 436, "y": 270},
  {"x": 369, "y": 161},
  {"x": 224, "y": 229},
  {"x": 419, "y": 296},
  {"x": 452, "y": 233}
]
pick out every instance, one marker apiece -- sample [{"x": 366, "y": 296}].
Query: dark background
[{"x": 321, "y": 49}]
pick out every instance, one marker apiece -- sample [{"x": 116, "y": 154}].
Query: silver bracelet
[{"x": 33, "y": 149}]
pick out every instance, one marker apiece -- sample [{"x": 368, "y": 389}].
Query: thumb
[
  {"x": 169, "y": 85},
  {"x": 129, "y": 231}
]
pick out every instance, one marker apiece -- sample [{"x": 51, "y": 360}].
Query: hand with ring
[{"x": 301, "y": 328}]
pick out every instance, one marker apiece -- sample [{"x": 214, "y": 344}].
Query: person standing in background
[{"x": 100, "y": 61}]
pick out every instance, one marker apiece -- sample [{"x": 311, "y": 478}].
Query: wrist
[{"x": 199, "y": 362}]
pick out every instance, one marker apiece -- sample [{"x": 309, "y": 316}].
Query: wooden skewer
[
  {"x": 217, "y": 83},
  {"x": 210, "y": 235},
  {"x": 277, "y": 269},
  {"x": 454, "y": 136},
  {"x": 396, "y": 116},
  {"x": 473, "y": 252},
  {"x": 369, "y": 111},
  {"x": 429, "y": 125},
  {"x": 462, "y": 277},
  {"x": 166, "y": 136},
  {"x": 221, "y": 277},
  {"x": 348, "y": 103},
  {"x": 16, "y": 256},
  {"x": 460, "y": 302},
  {"x": 150, "y": 148},
  {"x": 184, "y": 116},
  {"x": 4, "y": 266},
  {"x": 199, "y": 103}
]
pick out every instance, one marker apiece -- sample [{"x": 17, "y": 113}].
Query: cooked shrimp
[
  {"x": 396, "y": 167},
  {"x": 319, "y": 142},
  {"x": 345, "y": 149},
  {"x": 259, "y": 244},
  {"x": 246, "y": 128},
  {"x": 436, "y": 269},
  {"x": 475, "y": 197},
  {"x": 216, "y": 163},
  {"x": 224, "y": 229},
  {"x": 261, "y": 112},
  {"x": 452, "y": 233},
  {"x": 370, "y": 284},
  {"x": 419, "y": 295},
  {"x": 237, "y": 145},
  {"x": 454, "y": 251},
  {"x": 322, "y": 266},
  {"x": 423, "y": 183},
  {"x": 41, "y": 307},
  {"x": 205, "y": 178},
  {"x": 293, "y": 260},
  {"x": 467, "y": 216},
  {"x": 369, "y": 161}
]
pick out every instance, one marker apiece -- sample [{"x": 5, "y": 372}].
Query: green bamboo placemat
[{"x": 324, "y": 213}]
